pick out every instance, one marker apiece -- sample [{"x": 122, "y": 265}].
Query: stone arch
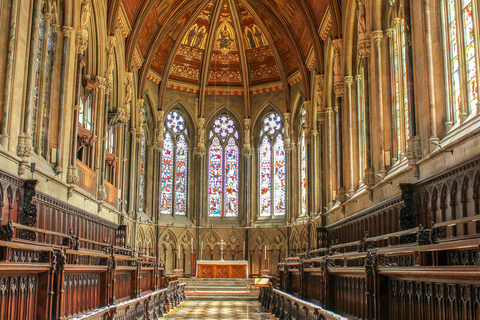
[
  {"x": 294, "y": 242},
  {"x": 234, "y": 247},
  {"x": 277, "y": 250},
  {"x": 168, "y": 249},
  {"x": 211, "y": 249}
]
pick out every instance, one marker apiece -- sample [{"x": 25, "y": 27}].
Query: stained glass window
[
  {"x": 303, "y": 165},
  {"x": 469, "y": 36},
  {"x": 272, "y": 175},
  {"x": 459, "y": 34},
  {"x": 174, "y": 166},
  {"x": 223, "y": 169},
  {"x": 143, "y": 163}
]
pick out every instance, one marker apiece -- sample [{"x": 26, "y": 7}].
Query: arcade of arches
[{"x": 331, "y": 144}]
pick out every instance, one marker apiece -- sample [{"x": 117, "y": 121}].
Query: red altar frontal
[{"x": 211, "y": 269}]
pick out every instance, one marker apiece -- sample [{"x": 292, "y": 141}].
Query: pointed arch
[{"x": 258, "y": 241}]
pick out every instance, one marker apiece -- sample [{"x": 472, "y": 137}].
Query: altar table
[{"x": 222, "y": 269}]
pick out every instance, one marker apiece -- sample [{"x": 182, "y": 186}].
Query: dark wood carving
[{"x": 29, "y": 214}]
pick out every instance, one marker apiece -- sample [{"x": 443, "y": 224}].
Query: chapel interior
[{"x": 157, "y": 156}]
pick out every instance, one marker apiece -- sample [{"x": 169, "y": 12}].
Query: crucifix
[{"x": 221, "y": 243}]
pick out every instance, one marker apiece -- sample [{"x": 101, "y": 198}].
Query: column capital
[
  {"x": 364, "y": 47},
  {"x": 377, "y": 35},
  {"x": 389, "y": 33},
  {"x": 329, "y": 110},
  {"x": 67, "y": 31},
  {"x": 358, "y": 78},
  {"x": 348, "y": 80}
]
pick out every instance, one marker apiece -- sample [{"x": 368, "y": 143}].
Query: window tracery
[
  {"x": 272, "y": 167},
  {"x": 223, "y": 169},
  {"x": 174, "y": 166}
]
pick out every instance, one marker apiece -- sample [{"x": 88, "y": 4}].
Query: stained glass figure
[
  {"x": 166, "y": 180},
  {"x": 303, "y": 166},
  {"x": 454, "y": 61},
  {"x": 272, "y": 167},
  {"x": 143, "y": 163},
  {"x": 223, "y": 169},
  {"x": 469, "y": 36},
  {"x": 181, "y": 177},
  {"x": 174, "y": 166},
  {"x": 215, "y": 180}
]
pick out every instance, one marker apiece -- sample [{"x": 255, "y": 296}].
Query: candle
[
  {"x": 191, "y": 243},
  {"x": 265, "y": 252},
  {"x": 243, "y": 250}
]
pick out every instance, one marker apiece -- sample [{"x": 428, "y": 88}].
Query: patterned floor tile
[{"x": 219, "y": 310}]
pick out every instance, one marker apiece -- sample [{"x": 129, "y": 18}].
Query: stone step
[{"x": 222, "y": 296}]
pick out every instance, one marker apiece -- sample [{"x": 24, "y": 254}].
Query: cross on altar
[{"x": 221, "y": 243}]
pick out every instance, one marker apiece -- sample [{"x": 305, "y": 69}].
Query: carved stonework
[
  {"x": 101, "y": 193},
  {"x": 369, "y": 178},
  {"x": 337, "y": 59},
  {"x": 287, "y": 116},
  {"x": 140, "y": 120},
  {"x": 342, "y": 195},
  {"x": 414, "y": 153},
  {"x": 364, "y": 46},
  {"x": 81, "y": 39},
  {"x": 199, "y": 151},
  {"x": 159, "y": 133},
  {"x": 362, "y": 28},
  {"x": 29, "y": 214},
  {"x": 72, "y": 175},
  {"x": 248, "y": 123},
  {"x": 247, "y": 152},
  {"x": 339, "y": 86},
  {"x": 111, "y": 42},
  {"x": 201, "y": 133},
  {"x": 125, "y": 110}
]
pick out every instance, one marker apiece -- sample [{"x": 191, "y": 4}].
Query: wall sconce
[{"x": 32, "y": 168}]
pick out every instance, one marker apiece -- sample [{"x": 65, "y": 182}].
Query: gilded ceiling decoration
[{"x": 275, "y": 35}]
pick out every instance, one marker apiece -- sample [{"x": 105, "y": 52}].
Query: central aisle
[{"x": 224, "y": 310}]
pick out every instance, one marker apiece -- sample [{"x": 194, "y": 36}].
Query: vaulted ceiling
[{"x": 225, "y": 42}]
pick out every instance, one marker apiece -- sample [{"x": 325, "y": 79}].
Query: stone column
[
  {"x": 351, "y": 134},
  {"x": 377, "y": 37},
  {"x": 67, "y": 34},
  {"x": 431, "y": 73},
  {"x": 4, "y": 136},
  {"x": 364, "y": 50},
  {"x": 310, "y": 159},
  {"x": 24, "y": 146},
  {"x": 103, "y": 95},
  {"x": 414, "y": 147},
  {"x": 389, "y": 34},
  {"x": 332, "y": 161},
  {"x": 131, "y": 176},
  {"x": 321, "y": 132},
  {"x": 201, "y": 174},
  {"x": 47, "y": 18},
  {"x": 289, "y": 147},
  {"x": 249, "y": 192}
]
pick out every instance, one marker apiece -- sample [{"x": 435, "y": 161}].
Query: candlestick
[
  {"x": 265, "y": 252},
  {"x": 243, "y": 250}
]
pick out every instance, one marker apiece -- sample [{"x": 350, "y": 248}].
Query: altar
[{"x": 222, "y": 269}]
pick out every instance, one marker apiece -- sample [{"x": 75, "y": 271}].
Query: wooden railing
[
  {"x": 112, "y": 194},
  {"x": 87, "y": 178},
  {"x": 286, "y": 306}
]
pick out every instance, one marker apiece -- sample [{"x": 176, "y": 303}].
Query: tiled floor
[{"x": 221, "y": 310}]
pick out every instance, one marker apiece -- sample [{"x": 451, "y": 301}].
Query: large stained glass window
[
  {"x": 460, "y": 21},
  {"x": 272, "y": 166},
  {"x": 174, "y": 166},
  {"x": 223, "y": 168},
  {"x": 303, "y": 164},
  {"x": 143, "y": 163}
]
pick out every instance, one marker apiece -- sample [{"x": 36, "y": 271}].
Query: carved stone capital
[
  {"x": 358, "y": 78},
  {"x": 72, "y": 175},
  {"x": 369, "y": 178},
  {"x": 56, "y": 28},
  {"x": 377, "y": 35},
  {"x": 364, "y": 46},
  {"x": 199, "y": 151},
  {"x": 348, "y": 80},
  {"x": 101, "y": 193},
  {"x": 67, "y": 31},
  {"x": 339, "y": 86},
  {"x": 329, "y": 110},
  {"x": 247, "y": 152},
  {"x": 81, "y": 41},
  {"x": 389, "y": 33},
  {"x": 47, "y": 17}
]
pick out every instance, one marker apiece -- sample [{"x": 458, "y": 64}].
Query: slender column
[
  {"x": 289, "y": 147},
  {"x": 339, "y": 147},
  {"x": 321, "y": 132},
  {"x": 364, "y": 81},
  {"x": 377, "y": 37},
  {"x": 361, "y": 126},
  {"x": 414, "y": 147},
  {"x": 247, "y": 153},
  {"x": 47, "y": 18},
  {"x": 351, "y": 135},
  {"x": 431, "y": 72},
  {"x": 131, "y": 177},
  {"x": 4, "y": 136},
  {"x": 331, "y": 155},
  {"x": 67, "y": 33},
  {"x": 201, "y": 175},
  {"x": 103, "y": 102},
  {"x": 393, "y": 99},
  {"x": 310, "y": 163},
  {"x": 24, "y": 146}
]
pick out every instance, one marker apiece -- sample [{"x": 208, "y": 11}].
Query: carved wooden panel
[
  {"x": 18, "y": 297},
  {"x": 82, "y": 293},
  {"x": 222, "y": 271}
]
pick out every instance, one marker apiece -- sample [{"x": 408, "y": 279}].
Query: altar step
[{"x": 220, "y": 289}]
